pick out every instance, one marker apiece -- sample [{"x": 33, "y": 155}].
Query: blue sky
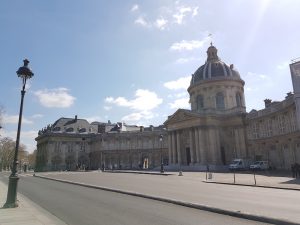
[{"x": 132, "y": 60}]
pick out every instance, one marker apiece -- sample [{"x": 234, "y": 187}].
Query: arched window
[
  {"x": 200, "y": 103},
  {"x": 220, "y": 101},
  {"x": 238, "y": 99}
]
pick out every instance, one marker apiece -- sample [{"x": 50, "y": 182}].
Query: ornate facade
[
  {"x": 71, "y": 144},
  {"x": 216, "y": 130}
]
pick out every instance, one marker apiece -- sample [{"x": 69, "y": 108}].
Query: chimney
[
  {"x": 289, "y": 94},
  {"x": 267, "y": 102},
  {"x": 141, "y": 128}
]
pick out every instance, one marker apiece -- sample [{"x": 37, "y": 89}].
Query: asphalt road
[{"x": 85, "y": 206}]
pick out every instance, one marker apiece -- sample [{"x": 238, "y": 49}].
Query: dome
[{"x": 213, "y": 68}]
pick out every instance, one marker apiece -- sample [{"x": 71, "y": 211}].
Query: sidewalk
[
  {"x": 28, "y": 213},
  {"x": 263, "y": 179}
]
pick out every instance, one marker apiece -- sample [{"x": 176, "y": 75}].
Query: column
[
  {"x": 213, "y": 144},
  {"x": 242, "y": 142},
  {"x": 170, "y": 147},
  {"x": 237, "y": 144},
  {"x": 197, "y": 145},
  {"x": 174, "y": 151},
  {"x": 217, "y": 146},
  {"x": 203, "y": 158},
  {"x": 178, "y": 147},
  {"x": 191, "y": 146}
]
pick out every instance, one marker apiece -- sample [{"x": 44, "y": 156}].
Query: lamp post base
[{"x": 11, "y": 201}]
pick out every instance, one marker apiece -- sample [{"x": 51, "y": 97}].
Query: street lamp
[
  {"x": 161, "y": 155},
  {"x": 24, "y": 72}
]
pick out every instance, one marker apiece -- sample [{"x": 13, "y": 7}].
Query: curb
[
  {"x": 137, "y": 172},
  {"x": 237, "y": 214},
  {"x": 251, "y": 185}
]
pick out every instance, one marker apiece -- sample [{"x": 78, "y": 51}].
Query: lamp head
[{"x": 24, "y": 71}]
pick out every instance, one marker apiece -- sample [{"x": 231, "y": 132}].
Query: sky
[{"x": 132, "y": 61}]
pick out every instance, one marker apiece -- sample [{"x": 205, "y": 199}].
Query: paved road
[
  {"x": 280, "y": 204},
  {"x": 79, "y": 205}
]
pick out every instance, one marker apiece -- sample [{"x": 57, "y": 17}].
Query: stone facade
[
  {"x": 216, "y": 130},
  {"x": 113, "y": 146}
]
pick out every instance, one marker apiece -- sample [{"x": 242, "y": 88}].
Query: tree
[
  {"x": 32, "y": 159},
  {"x": 7, "y": 147},
  {"x": 7, "y": 151}
]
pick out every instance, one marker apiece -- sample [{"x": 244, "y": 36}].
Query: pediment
[{"x": 181, "y": 115}]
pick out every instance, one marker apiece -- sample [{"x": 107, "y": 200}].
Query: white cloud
[
  {"x": 143, "y": 104},
  {"x": 189, "y": 45},
  {"x": 186, "y": 60},
  {"x": 36, "y": 116},
  {"x": 283, "y": 65},
  {"x": 32, "y": 134},
  {"x": 180, "y": 103},
  {"x": 257, "y": 76},
  {"x": 161, "y": 23},
  {"x": 14, "y": 119},
  {"x": 181, "y": 13},
  {"x": 145, "y": 100},
  {"x": 93, "y": 119},
  {"x": 138, "y": 116},
  {"x": 107, "y": 108},
  {"x": 141, "y": 21},
  {"x": 195, "y": 11},
  {"x": 55, "y": 98},
  {"x": 181, "y": 83},
  {"x": 134, "y": 8}
]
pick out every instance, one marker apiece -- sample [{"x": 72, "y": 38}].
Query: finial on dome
[
  {"x": 212, "y": 53},
  {"x": 211, "y": 43}
]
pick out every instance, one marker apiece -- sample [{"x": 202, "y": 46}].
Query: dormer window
[
  {"x": 70, "y": 129},
  {"x": 82, "y": 130},
  {"x": 56, "y": 129}
]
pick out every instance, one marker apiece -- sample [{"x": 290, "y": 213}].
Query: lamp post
[
  {"x": 24, "y": 72},
  {"x": 161, "y": 154}
]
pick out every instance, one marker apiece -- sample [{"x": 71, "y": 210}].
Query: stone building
[
  {"x": 71, "y": 144},
  {"x": 217, "y": 129},
  {"x": 273, "y": 133},
  {"x": 214, "y": 131}
]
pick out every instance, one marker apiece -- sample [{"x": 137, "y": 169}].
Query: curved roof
[{"x": 213, "y": 68}]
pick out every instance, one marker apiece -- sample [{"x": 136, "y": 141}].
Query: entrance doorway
[{"x": 188, "y": 155}]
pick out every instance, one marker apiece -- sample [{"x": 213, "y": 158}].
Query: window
[
  {"x": 269, "y": 128},
  {"x": 281, "y": 124},
  {"x": 220, "y": 101},
  {"x": 255, "y": 130},
  {"x": 200, "y": 103},
  {"x": 238, "y": 99},
  {"x": 70, "y": 129}
]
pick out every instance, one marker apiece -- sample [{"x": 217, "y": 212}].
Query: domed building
[
  {"x": 216, "y": 130},
  {"x": 213, "y": 131}
]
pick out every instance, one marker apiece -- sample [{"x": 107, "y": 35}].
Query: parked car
[
  {"x": 240, "y": 164},
  {"x": 260, "y": 165}
]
